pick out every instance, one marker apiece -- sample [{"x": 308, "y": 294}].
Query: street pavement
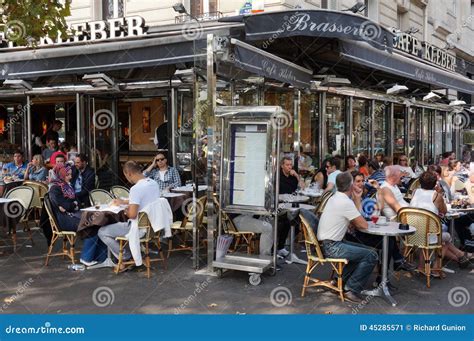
[{"x": 28, "y": 287}]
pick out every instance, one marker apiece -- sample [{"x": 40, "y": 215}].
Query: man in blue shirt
[
  {"x": 16, "y": 168},
  {"x": 375, "y": 173}
]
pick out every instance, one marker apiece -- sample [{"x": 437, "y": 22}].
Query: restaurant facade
[{"x": 125, "y": 90}]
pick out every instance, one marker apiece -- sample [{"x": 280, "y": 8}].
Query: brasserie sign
[{"x": 99, "y": 30}]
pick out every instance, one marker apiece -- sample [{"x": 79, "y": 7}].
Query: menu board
[{"x": 248, "y": 164}]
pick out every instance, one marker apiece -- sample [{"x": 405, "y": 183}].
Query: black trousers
[
  {"x": 284, "y": 226},
  {"x": 461, "y": 225}
]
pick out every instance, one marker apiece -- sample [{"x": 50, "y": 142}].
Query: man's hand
[
  {"x": 293, "y": 173},
  {"x": 62, "y": 209},
  {"x": 374, "y": 183}
]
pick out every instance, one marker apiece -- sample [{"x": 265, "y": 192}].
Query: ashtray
[{"x": 404, "y": 227}]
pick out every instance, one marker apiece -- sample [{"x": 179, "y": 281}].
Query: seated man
[
  {"x": 143, "y": 192},
  {"x": 333, "y": 166},
  {"x": 338, "y": 214},
  {"x": 17, "y": 167},
  {"x": 83, "y": 179},
  {"x": 166, "y": 176},
  {"x": 289, "y": 181},
  {"x": 390, "y": 200},
  {"x": 375, "y": 173}
]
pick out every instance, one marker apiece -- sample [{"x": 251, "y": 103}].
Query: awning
[
  {"x": 265, "y": 64},
  {"x": 317, "y": 24},
  {"x": 99, "y": 57},
  {"x": 400, "y": 65}
]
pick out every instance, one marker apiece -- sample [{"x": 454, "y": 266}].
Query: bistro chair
[
  {"x": 39, "y": 189},
  {"x": 185, "y": 227},
  {"x": 427, "y": 237},
  {"x": 24, "y": 195},
  {"x": 414, "y": 184},
  {"x": 150, "y": 236},
  {"x": 100, "y": 197},
  {"x": 120, "y": 192},
  {"x": 249, "y": 238},
  {"x": 316, "y": 257},
  {"x": 322, "y": 204},
  {"x": 67, "y": 236}
]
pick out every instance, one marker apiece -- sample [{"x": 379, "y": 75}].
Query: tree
[{"x": 24, "y": 22}]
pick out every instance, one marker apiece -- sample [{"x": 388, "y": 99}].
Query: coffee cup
[{"x": 382, "y": 220}]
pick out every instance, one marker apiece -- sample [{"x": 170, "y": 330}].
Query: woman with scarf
[{"x": 66, "y": 209}]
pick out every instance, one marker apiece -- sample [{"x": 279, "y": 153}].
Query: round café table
[
  {"x": 11, "y": 211},
  {"x": 389, "y": 230}
]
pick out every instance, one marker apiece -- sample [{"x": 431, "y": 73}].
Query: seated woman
[
  {"x": 35, "y": 170},
  {"x": 66, "y": 210},
  {"x": 321, "y": 177},
  {"x": 429, "y": 197}
]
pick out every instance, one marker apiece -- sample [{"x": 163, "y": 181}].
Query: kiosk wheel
[
  {"x": 255, "y": 279},
  {"x": 219, "y": 273}
]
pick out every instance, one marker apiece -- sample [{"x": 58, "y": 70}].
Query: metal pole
[
  {"x": 28, "y": 127},
  {"x": 349, "y": 126},
  {"x": 174, "y": 122},
  {"x": 371, "y": 130},
  {"x": 211, "y": 104},
  {"x": 322, "y": 127},
  {"x": 78, "y": 122},
  {"x": 296, "y": 123},
  {"x": 391, "y": 123},
  {"x": 194, "y": 159}
]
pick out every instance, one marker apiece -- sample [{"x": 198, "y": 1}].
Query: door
[{"x": 102, "y": 140}]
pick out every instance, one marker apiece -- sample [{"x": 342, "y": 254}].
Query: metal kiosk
[{"x": 248, "y": 177}]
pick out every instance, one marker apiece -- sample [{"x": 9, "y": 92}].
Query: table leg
[
  {"x": 382, "y": 290},
  {"x": 293, "y": 258}
]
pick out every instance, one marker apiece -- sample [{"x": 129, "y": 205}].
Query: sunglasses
[{"x": 159, "y": 160}]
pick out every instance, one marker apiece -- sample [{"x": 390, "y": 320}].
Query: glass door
[{"x": 102, "y": 146}]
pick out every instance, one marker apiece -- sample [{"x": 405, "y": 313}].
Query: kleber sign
[{"x": 99, "y": 30}]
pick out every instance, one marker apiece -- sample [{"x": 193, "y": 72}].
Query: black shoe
[
  {"x": 403, "y": 266},
  {"x": 352, "y": 296},
  {"x": 463, "y": 262}
]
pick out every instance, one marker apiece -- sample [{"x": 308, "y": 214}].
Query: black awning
[
  {"x": 88, "y": 59},
  {"x": 400, "y": 65},
  {"x": 317, "y": 24},
  {"x": 262, "y": 63}
]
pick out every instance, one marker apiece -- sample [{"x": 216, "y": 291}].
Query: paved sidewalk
[{"x": 27, "y": 287}]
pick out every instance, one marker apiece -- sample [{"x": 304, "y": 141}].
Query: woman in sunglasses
[{"x": 166, "y": 176}]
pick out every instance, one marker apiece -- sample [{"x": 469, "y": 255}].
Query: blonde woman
[{"x": 35, "y": 170}]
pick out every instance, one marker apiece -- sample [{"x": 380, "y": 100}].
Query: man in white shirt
[
  {"x": 339, "y": 213},
  {"x": 333, "y": 167},
  {"x": 143, "y": 192}
]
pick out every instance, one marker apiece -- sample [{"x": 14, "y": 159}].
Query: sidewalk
[{"x": 27, "y": 287}]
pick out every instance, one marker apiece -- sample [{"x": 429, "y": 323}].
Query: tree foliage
[{"x": 24, "y": 22}]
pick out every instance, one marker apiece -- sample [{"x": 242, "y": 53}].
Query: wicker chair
[
  {"x": 249, "y": 238},
  {"x": 40, "y": 189},
  {"x": 186, "y": 226},
  {"x": 414, "y": 184},
  {"x": 100, "y": 196},
  {"x": 322, "y": 204},
  {"x": 119, "y": 192},
  {"x": 67, "y": 236},
  {"x": 150, "y": 236},
  {"x": 24, "y": 195},
  {"x": 315, "y": 258},
  {"x": 427, "y": 225}
]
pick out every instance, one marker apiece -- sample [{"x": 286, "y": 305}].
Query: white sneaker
[
  {"x": 283, "y": 253},
  {"x": 87, "y": 263}
]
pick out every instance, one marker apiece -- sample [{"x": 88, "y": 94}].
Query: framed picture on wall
[{"x": 146, "y": 120}]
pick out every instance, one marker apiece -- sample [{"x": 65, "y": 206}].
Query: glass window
[
  {"x": 438, "y": 136},
  {"x": 414, "y": 134},
  {"x": 399, "y": 130},
  {"x": 381, "y": 127},
  {"x": 283, "y": 99},
  {"x": 427, "y": 125},
  {"x": 335, "y": 122},
  {"x": 360, "y": 127},
  {"x": 449, "y": 132},
  {"x": 309, "y": 130},
  {"x": 112, "y": 9}
]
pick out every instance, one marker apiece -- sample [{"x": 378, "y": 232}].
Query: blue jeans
[
  {"x": 94, "y": 250},
  {"x": 362, "y": 261}
]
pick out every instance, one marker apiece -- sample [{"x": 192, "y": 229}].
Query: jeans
[
  {"x": 108, "y": 234},
  {"x": 94, "y": 250},
  {"x": 362, "y": 261},
  {"x": 248, "y": 223},
  {"x": 312, "y": 219},
  {"x": 377, "y": 242}
]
